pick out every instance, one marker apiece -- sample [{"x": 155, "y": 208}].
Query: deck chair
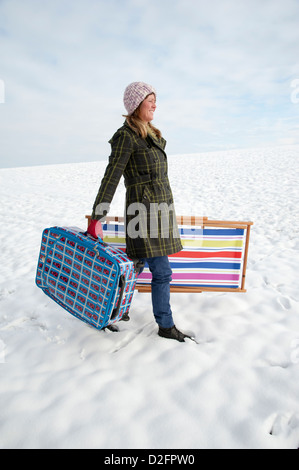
[{"x": 214, "y": 255}]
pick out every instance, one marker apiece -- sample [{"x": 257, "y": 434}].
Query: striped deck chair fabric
[{"x": 213, "y": 258}]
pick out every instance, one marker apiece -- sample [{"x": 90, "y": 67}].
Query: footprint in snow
[
  {"x": 285, "y": 425},
  {"x": 284, "y": 302}
]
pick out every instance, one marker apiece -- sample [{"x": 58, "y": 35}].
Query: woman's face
[{"x": 147, "y": 108}]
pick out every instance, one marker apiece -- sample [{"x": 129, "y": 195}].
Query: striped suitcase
[{"x": 90, "y": 279}]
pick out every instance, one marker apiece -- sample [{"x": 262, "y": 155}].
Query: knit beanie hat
[{"x": 135, "y": 94}]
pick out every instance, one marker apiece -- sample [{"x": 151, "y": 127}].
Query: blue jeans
[{"x": 161, "y": 277}]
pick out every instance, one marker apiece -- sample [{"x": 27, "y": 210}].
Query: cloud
[{"x": 222, "y": 68}]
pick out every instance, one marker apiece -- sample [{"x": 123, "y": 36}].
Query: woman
[{"x": 138, "y": 154}]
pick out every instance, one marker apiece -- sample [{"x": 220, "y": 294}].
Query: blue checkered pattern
[{"x": 83, "y": 275}]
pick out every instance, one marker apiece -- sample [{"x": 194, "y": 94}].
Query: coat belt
[{"x": 142, "y": 179}]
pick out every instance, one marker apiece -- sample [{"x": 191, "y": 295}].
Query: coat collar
[{"x": 160, "y": 143}]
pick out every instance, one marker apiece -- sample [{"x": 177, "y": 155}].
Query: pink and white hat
[{"x": 135, "y": 94}]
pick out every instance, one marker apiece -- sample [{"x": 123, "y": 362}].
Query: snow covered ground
[{"x": 66, "y": 385}]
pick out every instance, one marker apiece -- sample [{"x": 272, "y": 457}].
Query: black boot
[
  {"x": 172, "y": 333},
  {"x": 125, "y": 317},
  {"x": 111, "y": 327}
]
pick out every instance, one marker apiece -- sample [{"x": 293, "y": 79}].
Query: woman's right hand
[{"x": 95, "y": 229}]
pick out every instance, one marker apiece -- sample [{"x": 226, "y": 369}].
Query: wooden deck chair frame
[{"x": 202, "y": 222}]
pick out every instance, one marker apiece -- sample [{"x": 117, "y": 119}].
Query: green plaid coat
[{"x": 151, "y": 228}]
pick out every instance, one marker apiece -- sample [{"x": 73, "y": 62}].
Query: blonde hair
[{"x": 140, "y": 127}]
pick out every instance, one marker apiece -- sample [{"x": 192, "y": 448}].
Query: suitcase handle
[
  {"x": 95, "y": 239},
  {"x": 122, "y": 283}
]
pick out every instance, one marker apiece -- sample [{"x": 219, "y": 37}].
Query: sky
[{"x": 226, "y": 74}]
